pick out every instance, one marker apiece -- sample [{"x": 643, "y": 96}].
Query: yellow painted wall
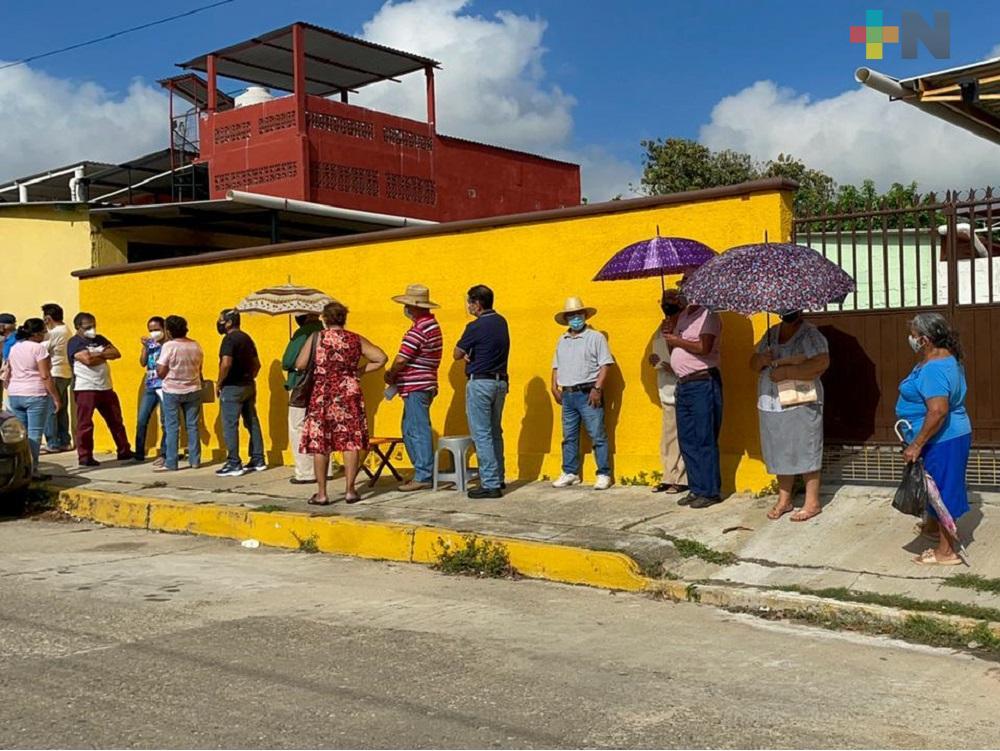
[
  {"x": 41, "y": 246},
  {"x": 531, "y": 268}
]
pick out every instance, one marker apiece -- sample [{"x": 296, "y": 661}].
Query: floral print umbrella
[
  {"x": 655, "y": 257},
  {"x": 768, "y": 277}
]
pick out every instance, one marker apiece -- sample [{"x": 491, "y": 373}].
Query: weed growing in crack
[
  {"x": 269, "y": 508},
  {"x": 474, "y": 557},
  {"x": 975, "y": 582},
  {"x": 902, "y": 602},
  {"x": 693, "y": 549},
  {"x": 307, "y": 544}
]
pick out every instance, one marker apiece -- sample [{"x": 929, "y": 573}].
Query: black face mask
[
  {"x": 220, "y": 326},
  {"x": 301, "y": 321},
  {"x": 670, "y": 308},
  {"x": 792, "y": 317}
]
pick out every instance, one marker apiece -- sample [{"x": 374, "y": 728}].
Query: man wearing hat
[
  {"x": 579, "y": 368},
  {"x": 414, "y": 374}
]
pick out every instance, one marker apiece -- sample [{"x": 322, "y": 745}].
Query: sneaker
[
  {"x": 704, "y": 502},
  {"x": 565, "y": 480},
  {"x": 231, "y": 469},
  {"x": 256, "y": 466},
  {"x": 686, "y": 500},
  {"x": 414, "y": 485},
  {"x": 603, "y": 482},
  {"x": 481, "y": 493},
  {"x": 159, "y": 461},
  {"x": 91, "y": 462}
]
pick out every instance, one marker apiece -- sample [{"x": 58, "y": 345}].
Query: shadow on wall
[
  {"x": 455, "y": 422},
  {"x": 740, "y": 430},
  {"x": 851, "y": 390},
  {"x": 648, "y": 373},
  {"x": 277, "y": 414},
  {"x": 614, "y": 391},
  {"x": 535, "y": 439}
]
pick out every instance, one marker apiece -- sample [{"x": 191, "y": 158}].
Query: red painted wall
[{"x": 358, "y": 158}]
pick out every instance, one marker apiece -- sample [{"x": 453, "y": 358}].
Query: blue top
[
  {"x": 486, "y": 341},
  {"x": 944, "y": 377},
  {"x": 8, "y": 342},
  {"x": 153, "y": 349}
]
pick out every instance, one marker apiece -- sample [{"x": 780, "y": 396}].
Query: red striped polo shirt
[{"x": 421, "y": 348}]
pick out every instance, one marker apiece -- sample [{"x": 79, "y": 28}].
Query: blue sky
[{"x": 636, "y": 68}]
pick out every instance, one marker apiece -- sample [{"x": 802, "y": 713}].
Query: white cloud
[
  {"x": 492, "y": 86},
  {"x": 995, "y": 52},
  {"x": 852, "y": 136},
  {"x": 49, "y": 122}
]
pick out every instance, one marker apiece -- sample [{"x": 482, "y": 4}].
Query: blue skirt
[{"x": 946, "y": 462}]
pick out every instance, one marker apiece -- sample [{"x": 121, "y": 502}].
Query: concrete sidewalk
[{"x": 859, "y": 542}]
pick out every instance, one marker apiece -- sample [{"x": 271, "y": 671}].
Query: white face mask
[
  {"x": 915, "y": 344},
  {"x": 156, "y": 335},
  {"x": 407, "y": 313},
  {"x": 90, "y": 333}
]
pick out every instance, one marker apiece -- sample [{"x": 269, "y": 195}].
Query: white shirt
[
  {"x": 666, "y": 381},
  {"x": 56, "y": 343}
]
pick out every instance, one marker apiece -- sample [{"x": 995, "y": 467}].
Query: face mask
[
  {"x": 156, "y": 335},
  {"x": 407, "y": 313},
  {"x": 220, "y": 326},
  {"x": 576, "y": 323},
  {"x": 792, "y": 317},
  {"x": 90, "y": 333},
  {"x": 915, "y": 344},
  {"x": 670, "y": 308}
]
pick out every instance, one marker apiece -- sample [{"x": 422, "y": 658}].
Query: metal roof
[
  {"x": 334, "y": 61},
  {"x": 194, "y": 89},
  {"x": 967, "y": 96}
]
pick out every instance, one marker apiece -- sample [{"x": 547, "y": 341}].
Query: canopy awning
[
  {"x": 194, "y": 89},
  {"x": 334, "y": 61}
]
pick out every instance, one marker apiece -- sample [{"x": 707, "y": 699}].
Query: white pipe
[
  {"x": 18, "y": 185},
  {"x": 881, "y": 83},
  {"x": 105, "y": 196},
  {"x": 22, "y": 192},
  {"x": 76, "y": 190},
  {"x": 320, "y": 209}
]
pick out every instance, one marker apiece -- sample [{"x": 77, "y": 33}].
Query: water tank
[{"x": 253, "y": 95}]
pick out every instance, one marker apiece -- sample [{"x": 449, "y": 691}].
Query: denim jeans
[
  {"x": 33, "y": 412},
  {"x": 173, "y": 406},
  {"x": 57, "y": 428},
  {"x": 699, "y": 420},
  {"x": 484, "y": 409},
  {"x": 417, "y": 434},
  {"x": 147, "y": 405},
  {"x": 236, "y": 402},
  {"x": 576, "y": 409}
]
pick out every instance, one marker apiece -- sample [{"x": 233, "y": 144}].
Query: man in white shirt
[
  {"x": 674, "y": 476},
  {"x": 57, "y": 437}
]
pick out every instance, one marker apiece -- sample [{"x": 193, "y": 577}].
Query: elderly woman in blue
[{"x": 932, "y": 400}]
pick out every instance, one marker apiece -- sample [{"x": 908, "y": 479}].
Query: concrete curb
[{"x": 410, "y": 543}]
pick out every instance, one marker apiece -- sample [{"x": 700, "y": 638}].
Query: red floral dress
[{"x": 335, "y": 419}]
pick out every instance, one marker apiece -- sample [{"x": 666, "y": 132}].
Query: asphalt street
[{"x": 123, "y": 638}]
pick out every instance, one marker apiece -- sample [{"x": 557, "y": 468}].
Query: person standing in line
[
  {"x": 179, "y": 366},
  {"x": 8, "y": 325},
  {"x": 579, "y": 367},
  {"x": 30, "y": 388},
  {"x": 237, "y": 392},
  {"x": 308, "y": 324},
  {"x": 485, "y": 348},
  {"x": 57, "y": 437},
  {"x": 93, "y": 391},
  {"x": 674, "y": 475},
  {"x": 152, "y": 395},
  {"x": 414, "y": 373},
  {"x": 694, "y": 358}
]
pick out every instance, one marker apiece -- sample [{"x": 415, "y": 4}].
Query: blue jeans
[
  {"x": 147, "y": 405},
  {"x": 484, "y": 409},
  {"x": 417, "y": 434},
  {"x": 57, "y": 427},
  {"x": 190, "y": 405},
  {"x": 33, "y": 412},
  {"x": 237, "y": 402},
  {"x": 576, "y": 409},
  {"x": 699, "y": 420}
]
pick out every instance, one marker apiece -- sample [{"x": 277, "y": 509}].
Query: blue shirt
[
  {"x": 944, "y": 377},
  {"x": 486, "y": 341},
  {"x": 153, "y": 381},
  {"x": 8, "y": 342}
]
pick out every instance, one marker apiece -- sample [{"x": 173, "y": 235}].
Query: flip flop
[
  {"x": 928, "y": 558},
  {"x": 801, "y": 516},
  {"x": 774, "y": 513},
  {"x": 313, "y": 502},
  {"x": 352, "y": 498}
]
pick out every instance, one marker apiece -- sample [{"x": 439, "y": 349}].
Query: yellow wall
[
  {"x": 41, "y": 246},
  {"x": 531, "y": 268}
]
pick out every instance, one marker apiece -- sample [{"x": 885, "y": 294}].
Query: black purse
[{"x": 302, "y": 392}]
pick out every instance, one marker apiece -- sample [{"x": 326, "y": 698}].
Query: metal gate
[{"x": 931, "y": 254}]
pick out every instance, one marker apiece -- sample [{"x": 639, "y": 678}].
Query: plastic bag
[{"x": 911, "y": 496}]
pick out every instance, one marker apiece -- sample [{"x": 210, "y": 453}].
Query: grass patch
[
  {"x": 269, "y": 508},
  {"x": 474, "y": 557},
  {"x": 902, "y": 602},
  {"x": 975, "y": 582},
  {"x": 307, "y": 544},
  {"x": 642, "y": 479},
  {"x": 688, "y": 548}
]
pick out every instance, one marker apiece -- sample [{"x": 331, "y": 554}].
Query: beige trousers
[
  {"x": 303, "y": 462},
  {"x": 670, "y": 449}
]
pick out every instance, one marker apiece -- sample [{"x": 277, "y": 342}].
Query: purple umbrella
[
  {"x": 768, "y": 277},
  {"x": 655, "y": 257}
]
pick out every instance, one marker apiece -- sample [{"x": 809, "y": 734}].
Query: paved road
[{"x": 133, "y": 639}]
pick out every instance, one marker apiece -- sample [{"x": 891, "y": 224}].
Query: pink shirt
[
  {"x": 184, "y": 358},
  {"x": 691, "y": 324},
  {"x": 25, "y": 380}
]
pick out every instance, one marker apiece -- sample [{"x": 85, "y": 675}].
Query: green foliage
[
  {"x": 268, "y": 508},
  {"x": 693, "y": 549},
  {"x": 474, "y": 557},
  {"x": 307, "y": 544},
  {"x": 642, "y": 479},
  {"x": 975, "y": 582},
  {"x": 901, "y": 602}
]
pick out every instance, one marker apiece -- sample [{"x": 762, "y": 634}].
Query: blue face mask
[{"x": 576, "y": 323}]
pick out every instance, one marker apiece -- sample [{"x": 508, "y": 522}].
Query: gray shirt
[{"x": 579, "y": 357}]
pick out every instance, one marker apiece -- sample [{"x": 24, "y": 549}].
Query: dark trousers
[
  {"x": 107, "y": 404},
  {"x": 57, "y": 429},
  {"x": 699, "y": 420}
]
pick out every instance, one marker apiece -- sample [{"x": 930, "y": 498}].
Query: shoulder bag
[{"x": 302, "y": 392}]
